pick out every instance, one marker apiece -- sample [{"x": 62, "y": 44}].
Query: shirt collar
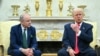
[
  {"x": 22, "y": 27},
  {"x": 79, "y": 24}
]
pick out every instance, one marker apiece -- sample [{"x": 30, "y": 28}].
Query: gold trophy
[
  {"x": 27, "y": 9},
  {"x": 70, "y": 8},
  {"x": 15, "y": 9},
  {"x": 49, "y": 10},
  {"x": 60, "y": 7},
  {"x": 37, "y": 7}
]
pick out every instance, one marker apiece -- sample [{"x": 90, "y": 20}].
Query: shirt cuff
[
  {"x": 68, "y": 48},
  {"x": 78, "y": 34},
  {"x": 33, "y": 48},
  {"x": 20, "y": 49}
]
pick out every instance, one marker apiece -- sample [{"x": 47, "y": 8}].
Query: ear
[{"x": 83, "y": 14}]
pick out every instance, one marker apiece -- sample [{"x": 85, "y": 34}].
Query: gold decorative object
[
  {"x": 49, "y": 10},
  {"x": 70, "y": 8},
  {"x": 37, "y": 7},
  {"x": 27, "y": 9},
  {"x": 15, "y": 9},
  {"x": 42, "y": 34},
  {"x": 60, "y": 7},
  {"x": 83, "y": 7},
  {"x": 55, "y": 35}
]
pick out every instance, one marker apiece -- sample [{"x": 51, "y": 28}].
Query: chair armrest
[
  {"x": 97, "y": 48},
  {"x": 2, "y": 50}
]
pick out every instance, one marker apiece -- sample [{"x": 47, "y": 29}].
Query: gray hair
[{"x": 21, "y": 17}]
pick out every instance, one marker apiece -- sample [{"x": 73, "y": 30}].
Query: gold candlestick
[
  {"x": 49, "y": 10},
  {"x": 60, "y": 7},
  {"x": 15, "y": 9},
  {"x": 27, "y": 9},
  {"x": 37, "y": 7},
  {"x": 70, "y": 8}
]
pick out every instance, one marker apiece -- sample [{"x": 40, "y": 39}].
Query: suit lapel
[
  {"x": 82, "y": 27},
  {"x": 20, "y": 33},
  {"x": 73, "y": 34},
  {"x": 28, "y": 35}
]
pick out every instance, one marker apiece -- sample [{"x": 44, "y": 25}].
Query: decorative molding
[{"x": 47, "y": 18}]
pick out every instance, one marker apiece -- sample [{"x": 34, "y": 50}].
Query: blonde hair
[{"x": 77, "y": 9}]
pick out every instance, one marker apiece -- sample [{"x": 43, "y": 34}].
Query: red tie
[{"x": 76, "y": 44}]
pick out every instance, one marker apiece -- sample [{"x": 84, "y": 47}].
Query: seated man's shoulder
[
  {"x": 67, "y": 24},
  {"x": 32, "y": 27},
  {"x": 88, "y": 24},
  {"x": 15, "y": 26}
]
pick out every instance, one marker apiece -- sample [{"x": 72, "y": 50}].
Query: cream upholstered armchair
[
  {"x": 5, "y": 27},
  {"x": 94, "y": 42}
]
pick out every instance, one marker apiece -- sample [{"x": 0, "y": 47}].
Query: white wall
[{"x": 92, "y": 10}]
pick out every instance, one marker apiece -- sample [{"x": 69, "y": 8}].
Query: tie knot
[
  {"x": 24, "y": 29},
  {"x": 78, "y": 24}
]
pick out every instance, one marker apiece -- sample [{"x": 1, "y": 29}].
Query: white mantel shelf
[{"x": 47, "y": 18}]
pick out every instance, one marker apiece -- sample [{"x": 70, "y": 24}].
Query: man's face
[
  {"x": 26, "y": 22},
  {"x": 78, "y": 16}
]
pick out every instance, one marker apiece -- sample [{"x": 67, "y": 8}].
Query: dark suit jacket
[
  {"x": 16, "y": 38},
  {"x": 83, "y": 40}
]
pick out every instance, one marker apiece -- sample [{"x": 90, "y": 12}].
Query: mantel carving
[{"x": 47, "y": 18}]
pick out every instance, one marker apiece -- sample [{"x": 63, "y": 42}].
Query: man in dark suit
[
  {"x": 77, "y": 37},
  {"x": 23, "y": 38}
]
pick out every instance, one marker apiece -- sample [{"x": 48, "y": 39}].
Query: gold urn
[
  {"x": 60, "y": 7},
  {"x": 37, "y": 7},
  {"x": 15, "y": 9},
  {"x": 49, "y": 10}
]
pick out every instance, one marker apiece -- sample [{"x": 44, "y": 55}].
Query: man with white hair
[{"x": 23, "y": 38}]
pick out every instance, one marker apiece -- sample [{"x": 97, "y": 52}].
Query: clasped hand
[
  {"x": 75, "y": 27},
  {"x": 27, "y": 52}
]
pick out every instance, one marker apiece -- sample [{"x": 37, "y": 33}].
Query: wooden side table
[{"x": 1, "y": 50}]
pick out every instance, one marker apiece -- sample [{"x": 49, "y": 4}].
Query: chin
[{"x": 28, "y": 26}]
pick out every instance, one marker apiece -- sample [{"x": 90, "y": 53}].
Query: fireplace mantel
[{"x": 47, "y": 18}]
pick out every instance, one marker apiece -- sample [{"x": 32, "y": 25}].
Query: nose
[{"x": 30, "y": 22}]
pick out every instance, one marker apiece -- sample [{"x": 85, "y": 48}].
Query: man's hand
[
  {"x": 71, "y": 52},
  {"x": 27, "y": 52},
  {"x": 75, "y": 27},
  {"x": 30, "y": 52}
]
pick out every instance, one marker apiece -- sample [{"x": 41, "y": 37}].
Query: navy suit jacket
[
  {"x": 16, "y": 38},
  {"x": 83, "y": 40}
]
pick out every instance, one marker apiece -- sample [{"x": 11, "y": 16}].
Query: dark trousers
[
  {"x": 90, "y": 52},
  {"x": 19, "y": 53}
]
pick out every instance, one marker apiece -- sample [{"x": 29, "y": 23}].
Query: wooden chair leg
[{"x": 2, "y": 50}]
